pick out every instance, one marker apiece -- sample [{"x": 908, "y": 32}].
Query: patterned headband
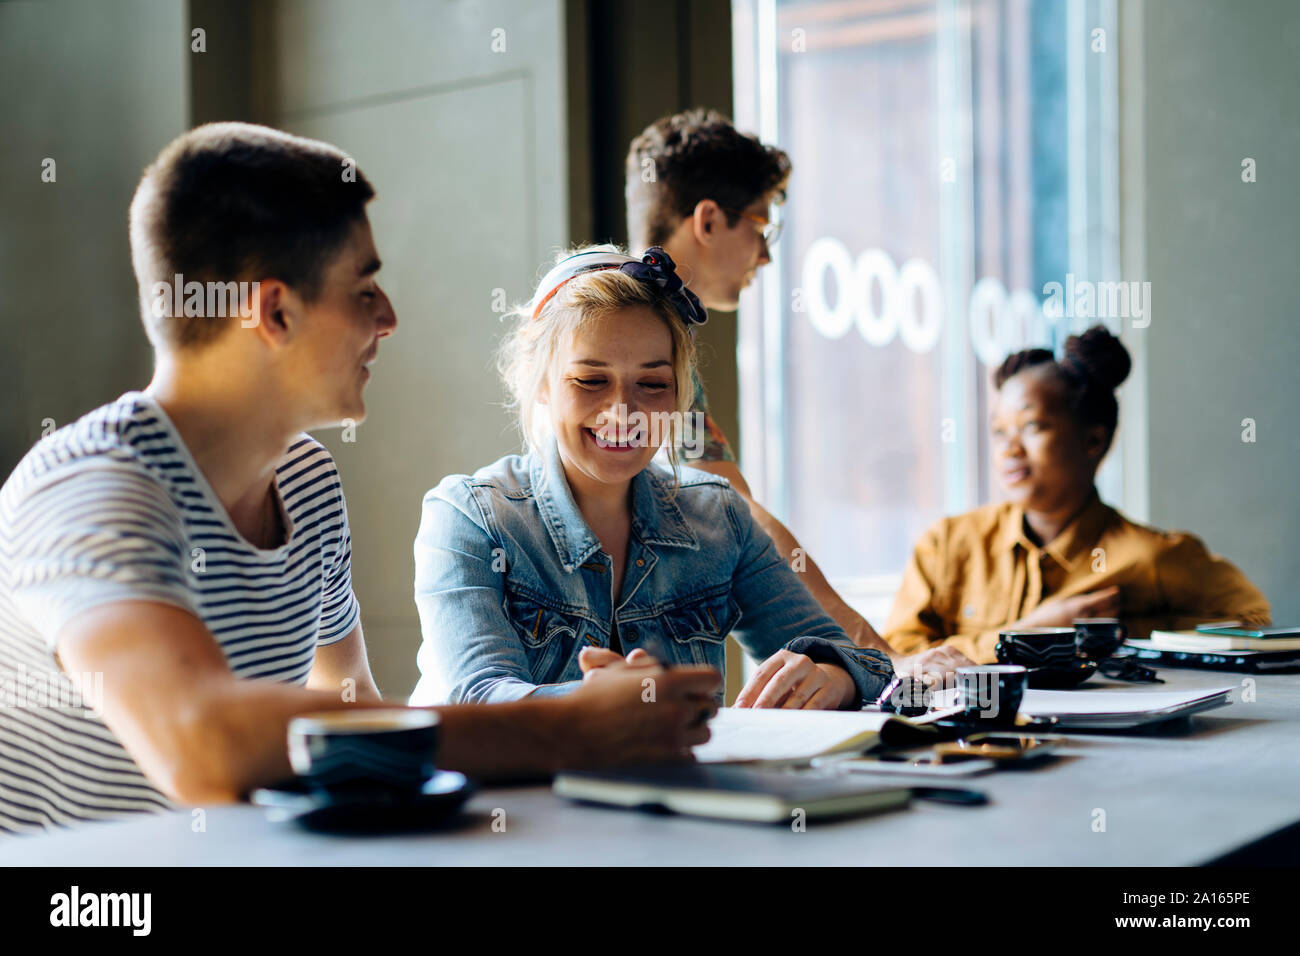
[{"x": 655, "y": 268}]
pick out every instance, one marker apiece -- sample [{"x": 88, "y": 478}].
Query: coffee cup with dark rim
[
  {"x": 1036, "y": 647},
  {"x": 992, "y": 693},
  {"x": 1097, "y": 638},
  {"x": 386, "y": 752}
]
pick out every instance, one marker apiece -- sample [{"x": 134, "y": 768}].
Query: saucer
[
  {"x": 438, "y": 799},
  {"x": 1062, "y": 677}
]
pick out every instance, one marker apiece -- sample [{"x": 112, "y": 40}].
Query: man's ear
[
  {"x": 276, "y": 311},
  {"x": 705, "y": 221}
]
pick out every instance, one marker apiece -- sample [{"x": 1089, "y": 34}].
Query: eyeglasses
[{"x": 770, "y": 232}]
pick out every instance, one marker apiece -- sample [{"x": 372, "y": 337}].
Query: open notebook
[
  {"x": 745, "y": 734},
  {"x": 780, "y": 736}
]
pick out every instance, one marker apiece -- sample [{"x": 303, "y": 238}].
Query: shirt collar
[
  {"x": 656, "y": 518},
  {"x": 1076, "y": 540}
]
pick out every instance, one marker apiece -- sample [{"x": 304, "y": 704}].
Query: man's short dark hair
[
  {"x": 230, "y": 202},
  {"x": 682, "y": 159}
]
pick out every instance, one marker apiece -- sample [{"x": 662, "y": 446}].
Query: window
[{"x": 951, "y": 160}]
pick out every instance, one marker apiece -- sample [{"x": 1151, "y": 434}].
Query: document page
[{"x": 742, "y": 733}]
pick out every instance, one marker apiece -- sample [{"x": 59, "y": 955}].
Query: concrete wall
[
  {"x": 462, "y": 133},
  {"x": 1222, "y": 83},
  {"x": 98, "y": 88}
]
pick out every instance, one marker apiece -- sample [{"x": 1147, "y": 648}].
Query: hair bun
[{"x": 1100, "y": 355}]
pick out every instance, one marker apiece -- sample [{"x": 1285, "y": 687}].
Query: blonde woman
[{"x": 544, "y": 569}]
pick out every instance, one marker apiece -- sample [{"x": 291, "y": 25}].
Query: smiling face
[
  {"x": 605, "y": 386},
  {"x": 1043, "y": 459},
  {"x": 339, "y": 334}
]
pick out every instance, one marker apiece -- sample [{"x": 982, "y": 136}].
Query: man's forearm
[
  {"x": 230, "y": 751},
  {"x": 855, "y": 625},
  {"x": 235, "y": 738},
  {"x": 522, "y": 739},
  {"x": 234, "y": 753}
]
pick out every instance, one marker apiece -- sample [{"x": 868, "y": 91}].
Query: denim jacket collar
[{"x": 656, "y": 518}]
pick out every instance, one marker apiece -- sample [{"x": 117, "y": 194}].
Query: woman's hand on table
[
  {"x": 934, "y": 664},
  {"x": 795, "y": 682},
  {"x": 1061, "y": 612},
  {"x": 596, "y": 661}
]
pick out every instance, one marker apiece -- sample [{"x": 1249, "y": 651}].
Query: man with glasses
[{"x": 704, "y": 191}]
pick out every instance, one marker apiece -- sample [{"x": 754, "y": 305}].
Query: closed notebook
[
  {"x": 1227, "y": 639},
  {"x": 732, "y": 792}
]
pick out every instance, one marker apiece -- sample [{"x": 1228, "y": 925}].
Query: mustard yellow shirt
[{"x": 975, "y": 573}]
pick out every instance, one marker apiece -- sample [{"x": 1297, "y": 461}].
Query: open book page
[{"x": 748, "y": 734}]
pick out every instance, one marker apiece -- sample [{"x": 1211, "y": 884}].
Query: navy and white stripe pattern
[{"x": 113, "y": 508}]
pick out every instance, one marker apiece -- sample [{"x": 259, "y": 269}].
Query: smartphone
[
  {"x": 1001, "y": 749},
  {"x": 912, "y": 764}
]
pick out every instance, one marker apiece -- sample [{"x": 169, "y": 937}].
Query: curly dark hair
[
  {"x": 1093, "y": 366},
  {"x": 693, "y": 156}
]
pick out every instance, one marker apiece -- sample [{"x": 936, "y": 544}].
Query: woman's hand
[
  {"x": 1061, "y": 612},
  {"x": 933, "y": 665},
  {"x": 597, "y": 660},
  {"x": 794, "y": 682}
]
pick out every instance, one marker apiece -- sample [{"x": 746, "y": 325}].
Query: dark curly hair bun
[
  {"x": 1093, "y": 365},
  {"x": 1100, "y": 356}
]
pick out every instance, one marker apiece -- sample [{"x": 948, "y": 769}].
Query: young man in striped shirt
[{"x": 175, "y": 566}]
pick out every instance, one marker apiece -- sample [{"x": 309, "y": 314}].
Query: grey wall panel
[
  {"x": 99, "y": 89},
  {"x": 1222, "y": 84},
  {"x": 466, "y": 149}
]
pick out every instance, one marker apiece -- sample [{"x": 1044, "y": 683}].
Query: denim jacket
[{"x": 511, "y": 584}]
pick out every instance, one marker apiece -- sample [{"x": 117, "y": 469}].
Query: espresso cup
[
  {"x": 1036, "y": 646},
  {"x": 991, "y": 693},
  {"x": 1098, "y": 637},
  {"x": 348, "y": 751}
]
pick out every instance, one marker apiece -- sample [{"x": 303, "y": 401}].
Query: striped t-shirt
[{"x": 113, "y": 508}]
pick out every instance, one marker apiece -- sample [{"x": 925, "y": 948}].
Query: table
[{"x": 1180, "y": 793}]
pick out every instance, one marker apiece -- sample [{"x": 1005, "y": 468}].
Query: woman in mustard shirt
[{"x": 1053, "y": 551}]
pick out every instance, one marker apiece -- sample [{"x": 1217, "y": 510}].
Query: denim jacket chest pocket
[
  {"x": 549, "y": 635},
  {"x": 698, "y": 629}
]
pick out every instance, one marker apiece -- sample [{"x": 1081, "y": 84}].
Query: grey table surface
[{"x": 1179, "y": 793}]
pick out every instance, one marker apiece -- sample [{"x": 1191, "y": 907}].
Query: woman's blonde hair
[{"x": 528, "y": 349}]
